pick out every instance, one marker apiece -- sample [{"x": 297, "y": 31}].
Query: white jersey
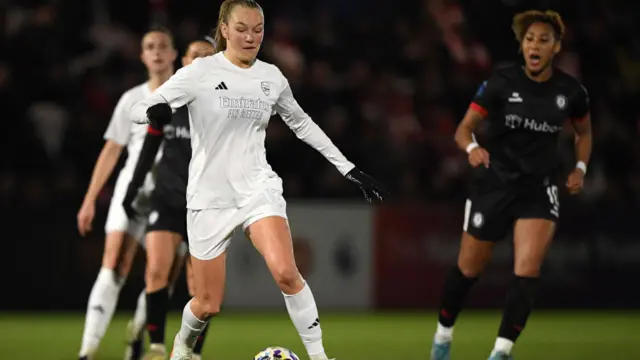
[
  {"x": 124, "y": 132},
  {"x": 230, "y": 108}
]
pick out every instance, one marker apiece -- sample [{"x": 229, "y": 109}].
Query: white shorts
[
  {"x": 117, "y": 219},
  {"x": 210, "y": 230}
]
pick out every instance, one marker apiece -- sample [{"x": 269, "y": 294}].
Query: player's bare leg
[
  {"x": 119, "y": 252},
  {"x": 473, "y": 257},
  {"x": 191, "y": 286},
  {"x": 209, "y": 276},
  {"x": 161, "y": 250},
  {"x": 532, "y": 238},
  {"x": 272, "y": 237}
]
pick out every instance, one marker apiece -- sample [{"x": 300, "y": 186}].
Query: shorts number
[{"x": 552, "y": 192}]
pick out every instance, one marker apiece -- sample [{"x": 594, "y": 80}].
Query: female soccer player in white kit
[
  {"x": 158, "y": 55},
  {"x": 231, "y": 97}
]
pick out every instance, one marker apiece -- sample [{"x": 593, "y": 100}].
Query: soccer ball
[{"x": 275, "y": 353}]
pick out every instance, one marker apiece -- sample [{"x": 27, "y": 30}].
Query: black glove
[
  {"x": 371, "y": 188},
  {"x": 127, "y": 204},
  {"x": 159, "y": 115}
]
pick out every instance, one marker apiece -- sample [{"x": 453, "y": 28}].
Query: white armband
[
  {"x": 582, "y": 166},
  {"x": 472, "y": 146}
]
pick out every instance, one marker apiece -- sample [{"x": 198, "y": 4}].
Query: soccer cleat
[
  {"x": 156, "y": 352},
  {"x": 135, "y": 342},
  {"x": 321, "y": 357},
  {"x": 440, "y": 350},
  {"x": 180, "y": 350},
  {"x": 196, "y": 357},
  {"x": 500, "y": 356}
]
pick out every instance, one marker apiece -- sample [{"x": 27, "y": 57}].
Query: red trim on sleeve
[
  {"x": 153, "y": 131},
  {"x": 479, "y": 109}
]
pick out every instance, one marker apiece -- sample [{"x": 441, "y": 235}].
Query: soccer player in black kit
[
  {"x": 167, "y": 219},
  {"x": 515, "y": 176}
]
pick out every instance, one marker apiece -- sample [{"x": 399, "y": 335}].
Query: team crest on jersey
[
  {"x": 561, "y": 101},
  {"x": 266, "y": 88},
  {"x": 478, "y": 220}
]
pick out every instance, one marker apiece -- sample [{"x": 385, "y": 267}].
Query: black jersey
[
  {"x": 525, "y": 119},
  {"x": 172, "y": 171}
]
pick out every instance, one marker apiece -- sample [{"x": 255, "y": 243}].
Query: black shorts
[
  {"x": 164, "y": 217},
  {"x": 491, "y": 215}
]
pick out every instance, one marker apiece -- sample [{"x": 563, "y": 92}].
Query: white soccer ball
[{"x": 275, "y": 353}]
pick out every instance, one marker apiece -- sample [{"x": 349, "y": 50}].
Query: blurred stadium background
[{"x": 388, "y": 83}]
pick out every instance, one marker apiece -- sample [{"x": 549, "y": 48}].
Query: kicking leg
[{"x": 272, "y": 238}]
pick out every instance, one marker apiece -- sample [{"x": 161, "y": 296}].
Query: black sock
[
  {"x": 456, "y": 289},
  {"x": 200, "y": 342},
  {"x": 520, "y": 298},
  {"x": 157, "y": 307}
]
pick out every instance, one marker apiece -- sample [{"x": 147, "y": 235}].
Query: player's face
[
  {"x": 244, "y": 32},
  {"x": 197, "y": 49},
  {"x": 539, "y": 46},
  {"x": 158, "y": 53}
]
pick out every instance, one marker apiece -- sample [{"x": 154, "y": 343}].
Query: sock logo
[
  {"x": 315, "y": 323},
  {"x": 98, "y": 308}
]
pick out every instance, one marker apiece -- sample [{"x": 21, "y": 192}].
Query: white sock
[
  {"x": 443, "y": 334},
  {"x": 140, "y": 316},
  {"x": 102, "y": 303},
  {"x": 502, "y": 345},
  {"x": 304, "y": 314},
  {"x": 191, "y": 327}
]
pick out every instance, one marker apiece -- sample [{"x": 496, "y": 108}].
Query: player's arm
[
  {"x": 146, "y": 159},
  {"x": 176, "y": 92},
  {"x": 102, "y": 170},
  {"x": 581, "y": 120},
  {"x": 483, "y": 101},
  {"x": 116, "y": 136},
  {"x": 309, "y": 132}
]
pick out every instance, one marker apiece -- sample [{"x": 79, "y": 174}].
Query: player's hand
[
  {"x": 371, "y": 188},
  {"x": 479, "y": 156},
  {"x": 85, "y": 217},
  {"x": 575, "y": 182},
  {"x": 159, "y": 115},
  {"x": 127, "y": 204}
]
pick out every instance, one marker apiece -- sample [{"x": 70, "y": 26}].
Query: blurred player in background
[
  {"x": 167, "y": 227},
  {"x": 231, "y": 97},
  {"x": 158, "y": 55},
  {"x": 515, "y": 174}
]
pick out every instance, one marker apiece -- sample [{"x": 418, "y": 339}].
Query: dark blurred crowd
[{"x": 387, "y": 83}]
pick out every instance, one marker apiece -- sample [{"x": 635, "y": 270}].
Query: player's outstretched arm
[
  {"x": 308, "y": 131},
  {"x": 581, "y": 120},
  {"x": 179, "y": 90},
  {"x": 145, "y": 162}
]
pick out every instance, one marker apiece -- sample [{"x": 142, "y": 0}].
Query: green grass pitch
[{"x": 549, "y": 336}]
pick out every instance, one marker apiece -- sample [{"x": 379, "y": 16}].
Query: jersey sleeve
[
  {"x": 308, "y": 131},
  {"x": 178, "y": 91},
  {"x": 119, "y": 128},
  {"x": 580, "y": 105},
  {"x": 487, "y": 96}
]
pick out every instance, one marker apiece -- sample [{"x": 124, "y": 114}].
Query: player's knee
[
  {"x": 156, "y": 276},
  {"x": 527, "y": 267},
  {"x": 288, "y": 279}
]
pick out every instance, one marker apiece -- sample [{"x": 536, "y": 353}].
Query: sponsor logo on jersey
[
  {"x": 513, "y": 121},
  {"x": 176, "y": 132}
]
